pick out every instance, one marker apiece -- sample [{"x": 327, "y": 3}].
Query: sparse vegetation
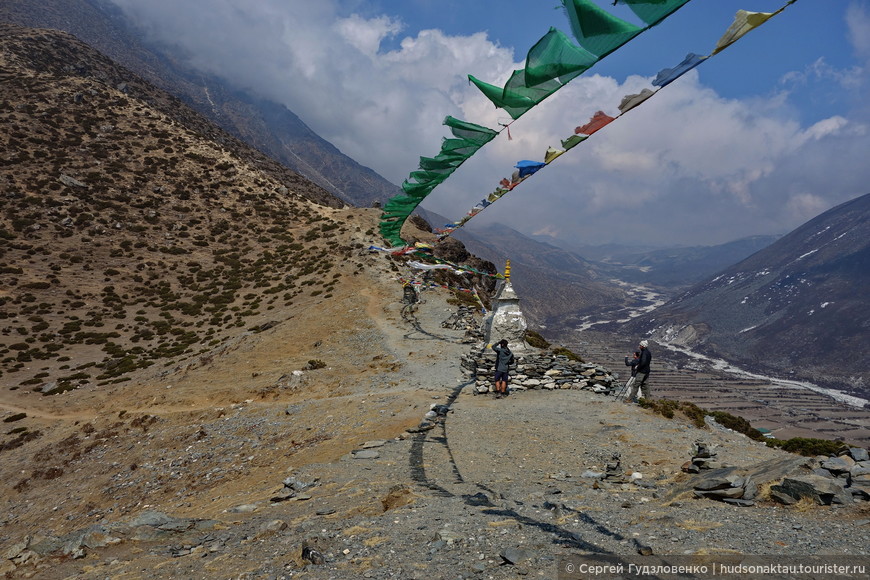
[
  {"x": 463, "y": 299},
  {"x": 695, "y": 414},
  {"x": 536, "y": 340},
  {"x": 194, "y": 252},
  {"x": 808, "y": 446},
  {"x": 315, "y": 364},
  {"x": 562, "y": 351}
]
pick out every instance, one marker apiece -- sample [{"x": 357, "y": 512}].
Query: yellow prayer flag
[{"x": 744, "y": 21}]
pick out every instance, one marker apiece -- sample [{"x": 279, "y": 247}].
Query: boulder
[
  {"x": 782, "y": 498},
  {"x": 823, "y": 490},
  {"x": 859, "y": 454},
  {"x": 730, "y": 493},
  {"x": 715, "y": 483},
  {"x": 837, "y": 465}
]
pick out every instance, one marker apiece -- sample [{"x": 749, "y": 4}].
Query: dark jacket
[
  {"x": 503, "y": 358},
  {"x": 645, "y": 359},
  {"x": 409, "y": 295},
  {"x": 632, "y": 362}
]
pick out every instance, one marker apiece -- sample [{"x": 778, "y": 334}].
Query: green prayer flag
[
  {"x": 555, "y": 57},
  {"x": 654, "y": 11},
  {"x": 597, "y": 30}
]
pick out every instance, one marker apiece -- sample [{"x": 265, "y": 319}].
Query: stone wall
[{"x": 539, "y": 370}]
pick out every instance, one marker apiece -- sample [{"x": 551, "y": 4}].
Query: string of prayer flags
[
  {"x": 551, "y": 63},
  {"x": 744, "y": 22}
]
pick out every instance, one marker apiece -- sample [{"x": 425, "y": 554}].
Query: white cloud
[
  {"x": 687, "y": 166},
  {"x": 367, "y": 35},
  {"x": 804, "y": 206},
  {"x": 824, "y": 128},
  {"x": 858, "y": 21},
  {"x": 847, "y": 79}
]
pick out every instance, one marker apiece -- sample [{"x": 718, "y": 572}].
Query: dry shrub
[
  {"x": 805, "y": 504},
  {"x": 697, "y": 526},
  {"x": 764, "y": 491},
  {"x": 50, "y": 473},
  {"x": 398, "y": 496}
]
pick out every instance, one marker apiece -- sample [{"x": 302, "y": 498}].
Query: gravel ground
[{"x": 495, "y": 490}]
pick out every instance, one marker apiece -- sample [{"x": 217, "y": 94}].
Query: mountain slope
[
  {"x": 555, "y": 285},
  {"x": 681, "y": 267},
  {"x": 265, "y": 125},
  {"x": 798, "y": 307},
  {"x": 135, "y": 232}
]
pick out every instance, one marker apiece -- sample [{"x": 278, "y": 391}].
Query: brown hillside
[{"x": 130, "y": 236}]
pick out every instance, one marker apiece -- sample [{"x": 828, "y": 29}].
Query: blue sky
[{"x": 757, "y": 140}]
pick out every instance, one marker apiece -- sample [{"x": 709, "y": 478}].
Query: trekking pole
[
  {"x": 624, "y": 390},
  {"x": 619, "y": 391}
]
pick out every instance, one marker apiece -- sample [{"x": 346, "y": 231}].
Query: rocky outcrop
[
  {"x": 825, "y": 480},
  {"x": 833, "y": 480},
  {"x": 149, "y": 526}
]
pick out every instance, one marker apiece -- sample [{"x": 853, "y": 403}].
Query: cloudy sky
[{"x": 757, "y": 140}]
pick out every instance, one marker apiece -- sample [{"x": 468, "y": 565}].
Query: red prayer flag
[{"x": 598, "y": 120}]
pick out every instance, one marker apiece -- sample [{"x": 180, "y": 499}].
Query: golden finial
[{"x": 507, "y": 270}]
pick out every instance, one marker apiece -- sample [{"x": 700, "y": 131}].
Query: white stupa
[{"x": 506, "y": 320}]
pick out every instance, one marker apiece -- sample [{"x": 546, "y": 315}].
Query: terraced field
[{"x": 784, "y": 410}]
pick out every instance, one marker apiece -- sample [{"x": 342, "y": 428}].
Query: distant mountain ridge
[
  {"x": 561, "y": 287},
  {"x": 268, "y": 126},
  {"x": 552, "y": 283},
  {"x": 797, "y": 308},
  {"x": 666, "y": 267}
]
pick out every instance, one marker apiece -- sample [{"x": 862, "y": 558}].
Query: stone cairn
[
  {"x": 703, "y": 457},
  {"x": 721, "y": 485},
  {"x": 613, "y": 470},
  {"x": 465, "y": 319},
  {"x": 542, "y": 371}
]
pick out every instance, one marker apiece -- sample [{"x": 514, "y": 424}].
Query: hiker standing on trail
[
  {"x": 642, "y": 373},
  {"x": 409, "y": 299},
  {"x": 409, "y": 293},
  {"x": 631, "y": 362},
  {"x": 503, "y": 360}
]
